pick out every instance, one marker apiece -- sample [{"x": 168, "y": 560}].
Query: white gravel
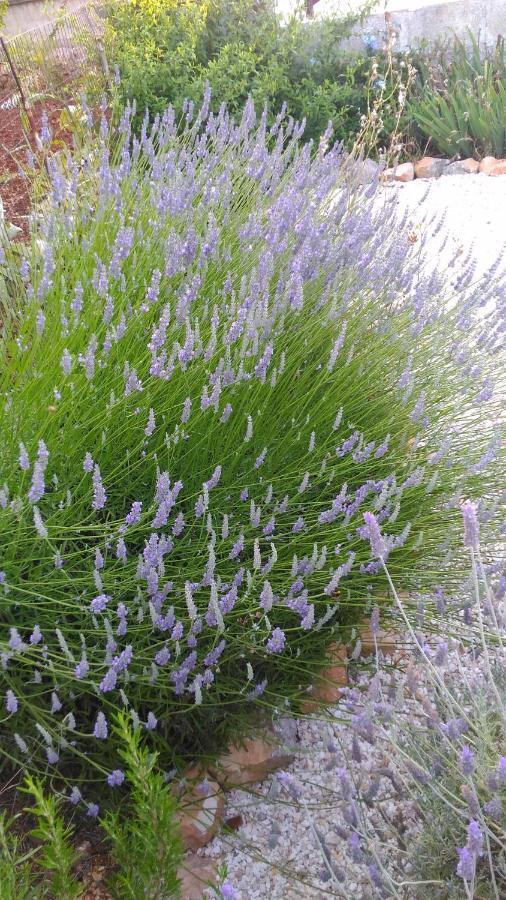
[{"x": 474, "y": 210}]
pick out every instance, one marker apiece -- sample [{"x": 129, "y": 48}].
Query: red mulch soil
[{"x": 15, "y": 142}]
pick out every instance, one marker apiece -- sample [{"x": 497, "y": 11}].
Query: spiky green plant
[
  {"x": 461, "y": 109},
  {"x": 145, "y": 841}
]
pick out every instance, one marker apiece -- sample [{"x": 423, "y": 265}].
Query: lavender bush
[
  {"x": 218, "y": 357},
  {"x": 443, "y": 722}
]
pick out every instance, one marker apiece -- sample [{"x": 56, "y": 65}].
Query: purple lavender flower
[
  {"x": 115, "y": 778},
  {"x": 150, "y": 427},
  {"x": 266, "y": 597},
  {"x": 88, "y": 463},
  {"x": 121, "y": 550},
  {"x": 36, "y": 635},
  {"x": 298, "y": 525},
  {"x": 45, "y": 130},
  {"x": 75, "y": 796},
  {"x": 100, "y": 730},
  {"x": 151, "y": 722},
  {"x": 494, "y": 808},
  {"x": 121, "y": 662},
  {"x": 290, "y": 784},
  {"x": 471, "y": 525},
  {"x": 162, "y": 657},
  {"x": 132, "y": 384},
  {"x": 24, "y": 462},
  {"x": 15, "y": 641},
  {"x": 228, "y": 892},
  {"x": 38, "y": 488},
  {"x": 227, "y": 412},
  {"x": 99, "y": 603},
  {"x": 237, "y": 548},
  {"x": 134, "y": 516},
  {"x": 261, "y": 458},
  {"x": 99, "y": 495},
  {"x": 52, "y": 756},
  {"x": 214, "y": 479},
  {"x": 108, "y": 682},
  {"x": 466, "y": 761},
  {"x": 187, "y": 406},
  {"x": 93, "y": 810},
  {"x": 11, "y": 702},
  {"x": 82, "y": 668},
  {"x": 66, "y": 362},
  {"x": 378, "y": 545},
  {"x": 475, "y": 838},
  {"x": 276, "y": 642},
  {"x": 99, "y": 559}
]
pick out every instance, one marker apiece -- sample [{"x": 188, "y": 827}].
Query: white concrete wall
[
  {"x": 22, "y": 16},
  {"x": 418, "y": 20}
]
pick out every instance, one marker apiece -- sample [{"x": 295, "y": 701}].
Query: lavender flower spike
[
  {"x": 11, "y": 702},
  {"x": 99, "y": 495},
  {"x": 100, "y": 730},
  {"x": 378, "y": 545},
  {"x": 471, "y": 525}
]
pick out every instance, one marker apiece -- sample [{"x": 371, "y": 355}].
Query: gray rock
[
  {"x": 431, "y": 167},
  {"x": 368, "y": 171},
  {"x": 460, "y": 167}
]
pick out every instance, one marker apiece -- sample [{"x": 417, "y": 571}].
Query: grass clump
[{"x": 216, "y": 359}]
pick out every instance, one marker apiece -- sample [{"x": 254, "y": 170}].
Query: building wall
[{"x": 417, "y": 20}]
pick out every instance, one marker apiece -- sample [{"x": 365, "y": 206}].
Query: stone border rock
[{"x": 434, "y": 167}]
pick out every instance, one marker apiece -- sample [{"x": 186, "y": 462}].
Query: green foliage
[
  {"x": 460, "y": 102},
  {"x": 145, "y": 841},
  {"x": 16, "y": 876},
  {"x": 167, "y": 50},
  {"x": 56, "y": 855}
]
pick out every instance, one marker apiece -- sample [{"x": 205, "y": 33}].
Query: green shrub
[
  {"x": 219, "y": 357},
  {"x": 166, "y": 52},
  {"x": 460, "y": 106}
]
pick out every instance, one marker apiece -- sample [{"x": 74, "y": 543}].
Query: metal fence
[
  {"x": 54, "y": 61},
  {"x": 42, "y": 72}
]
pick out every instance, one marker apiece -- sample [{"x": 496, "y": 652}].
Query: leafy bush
[
  {"x": 166, "y": 51},
  {"x": 217, "y": 357},
  {"x": 462, "y": 101}
]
